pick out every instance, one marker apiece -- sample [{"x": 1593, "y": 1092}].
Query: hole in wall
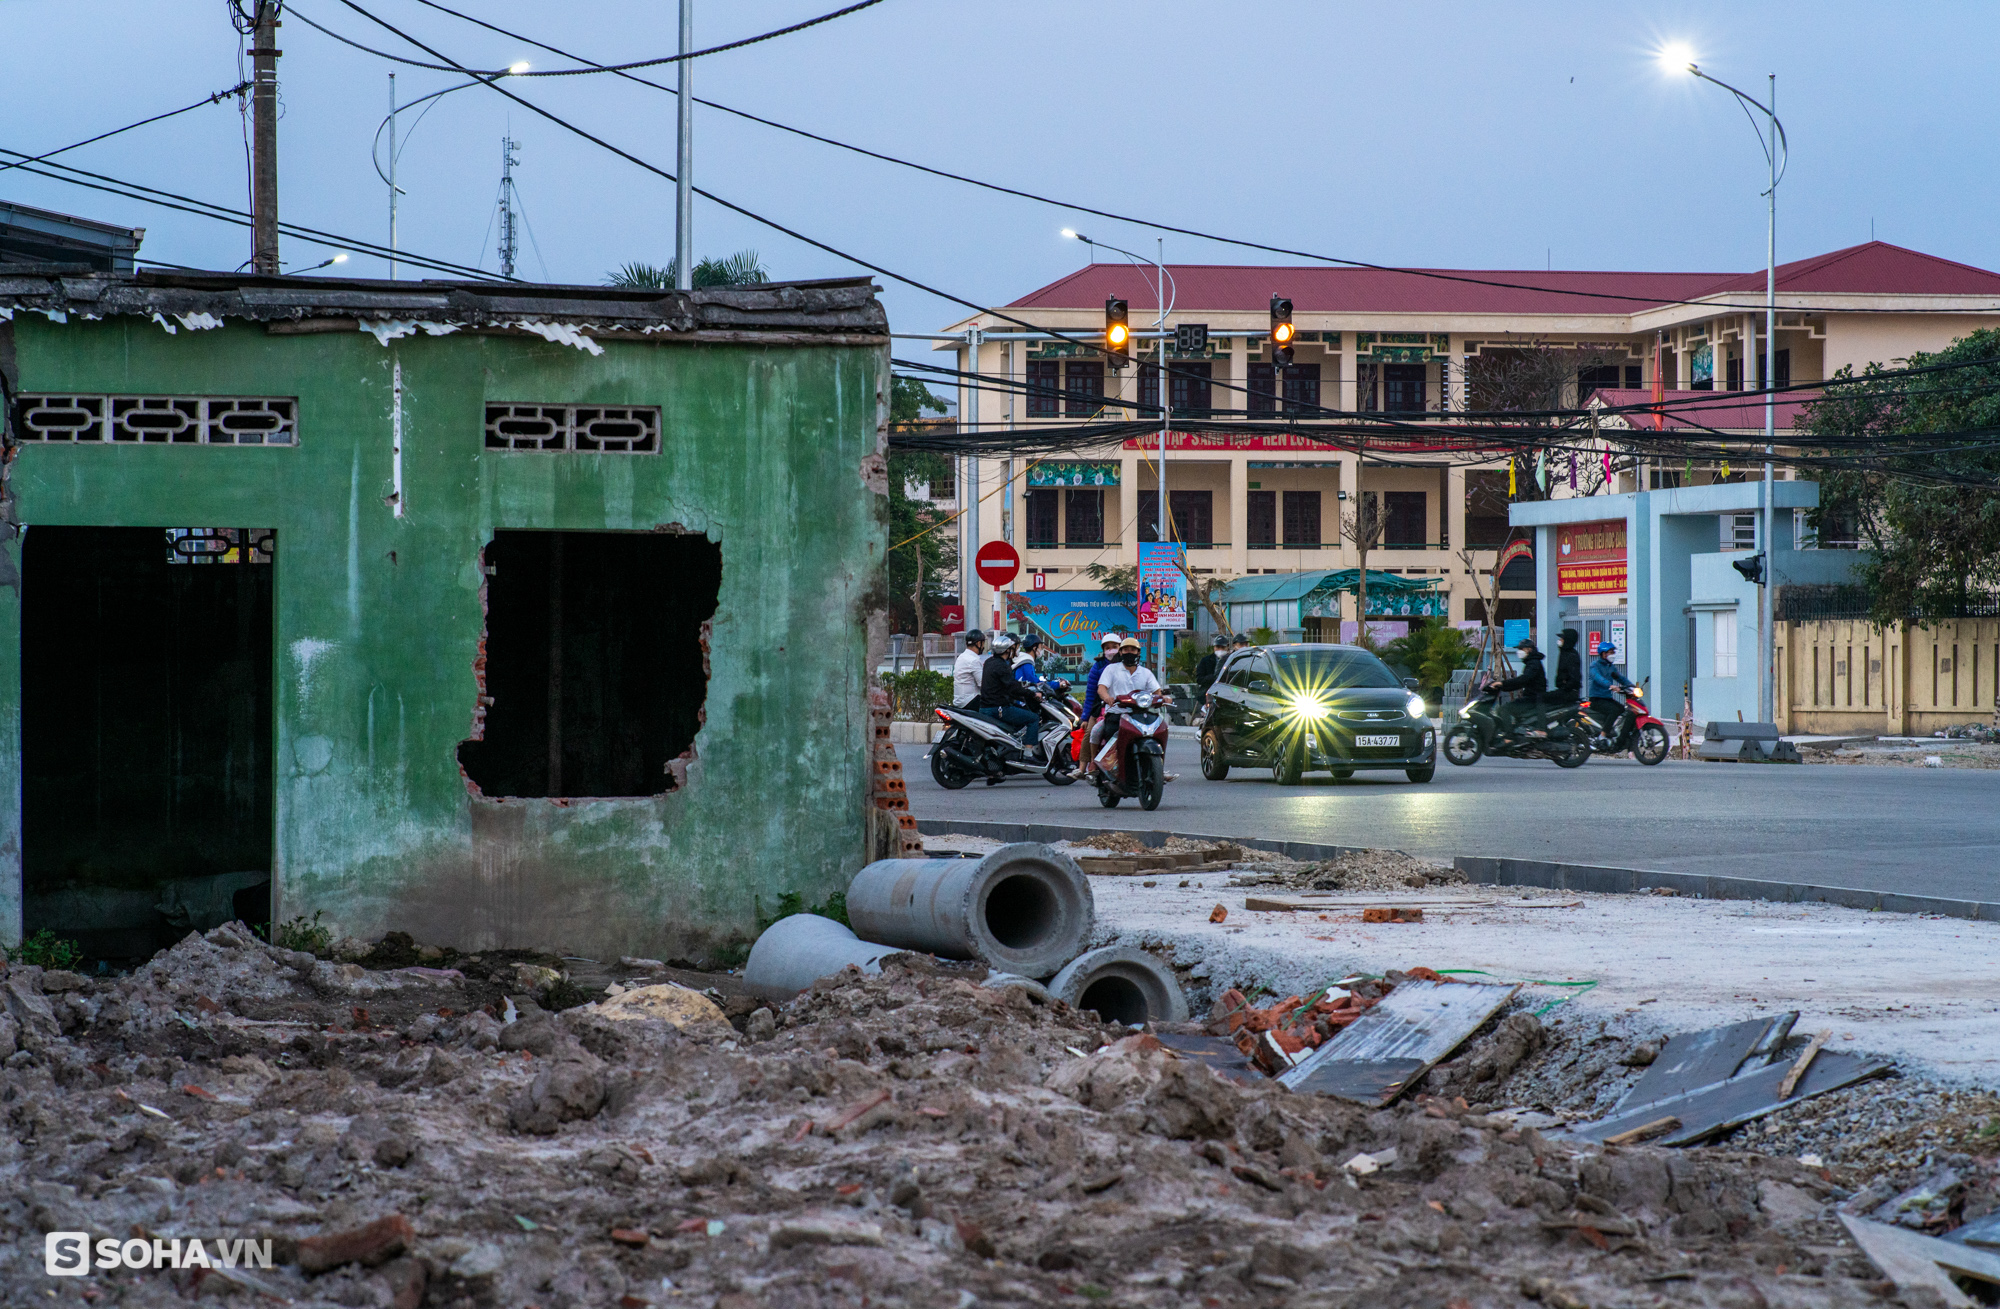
[
  {"x": 594, "y": 666},
  {"x": 146, "y": 733}
]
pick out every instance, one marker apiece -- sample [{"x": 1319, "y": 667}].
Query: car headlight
[
  {"x": 1304, "y": 706},
  {"x": 1416, "y": 706}
]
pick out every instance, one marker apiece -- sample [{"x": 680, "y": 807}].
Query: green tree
[
  {"x": 1432, "y": 653},
  {"x": 1930, "y": 520},
  {"x": 740, "y": 269},
  {"x": 923, "y": 554}
]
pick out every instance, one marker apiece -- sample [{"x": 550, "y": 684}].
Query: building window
[
  {"x": 161, "y": 419},
  {"x": 1149, "y": 389},
  {"x": 945, "y": 488},
  {"x": 1085, "y": 510},
  {"x": 1732, "y": 374},
  {"x": 1190, "y": 389},
  {"x": 1041, "y": 517},
  {"x": 1194, "y": 516},
  {"x": 1403, "y": 388},
  {"x": 1591, "y": 380},
  {"x": 1739, "y": 531},
  {"x": 1365, "y": 378},
  {"x": 1302, "y": 521},
  {"x": 1404, "y": 519},
  {"x": 1781, "y": 369},
  {"x": 1263, "y": 397},
  {"x": 1085, "y": 387},
  {"x": 1725, "y": 643},
  {"x": 1302, "y": 389},
  {"x": 1261, "y": 511},
  {"x": 595, "y": 429},
  {"x": 1486, "y": 524},
  {"x": 1044, "y": 380}
]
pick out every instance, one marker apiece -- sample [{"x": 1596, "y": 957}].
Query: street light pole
[
  {"x": 1777, "y": 152},
  {"x": 684, "y": 159}
]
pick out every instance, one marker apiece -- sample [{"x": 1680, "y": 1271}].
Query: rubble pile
[
  {"x": 1361, "y": 870},
  {"x": 416, "y": 1135}
]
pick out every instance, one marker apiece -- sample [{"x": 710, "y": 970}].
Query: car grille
[{"x": 1371, "y": 715}]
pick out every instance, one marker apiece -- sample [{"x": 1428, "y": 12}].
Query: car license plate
[{"x": 1378, "y": 742}]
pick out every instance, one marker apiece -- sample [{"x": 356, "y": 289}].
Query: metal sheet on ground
[
  {"x": 1691, "y": 1060},
  {"x": 1911, "y": 1260},
  {"x": 1218, "y": 1053},
  {"x": 1741, "y": 1099},
  {"x": 1374, "y": 1059}
]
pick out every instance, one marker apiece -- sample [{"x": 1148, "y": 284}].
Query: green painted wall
[{"x": 766, "y": 449}]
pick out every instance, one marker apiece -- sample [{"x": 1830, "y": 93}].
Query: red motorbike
[
  {"x": 1134, "y": 762},
  {"x": 1634, "y": 728}
]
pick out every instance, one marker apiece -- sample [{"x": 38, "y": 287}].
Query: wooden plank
[
  {"x": 1374, "y": 1058},
  {"x": 1645, "y": 1131},
  {"x": 1709, "y": 1110},
  {"x": 1691, "y": 1060},
  {"x": 1800, "y": 1065},
  {"x": 1911, "y": 1259},
  {"x": 1323, "y": 904}
]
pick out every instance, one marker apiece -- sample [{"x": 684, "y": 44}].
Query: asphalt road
[{"x": 1918, "y": 831}]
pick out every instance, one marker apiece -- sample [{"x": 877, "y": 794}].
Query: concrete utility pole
[
  {"x": 684, "y": 160},
  {"x": 264, "y": 140},
  {"x": 510, "y": 237},
  {"x": 1767, "y": 671}
]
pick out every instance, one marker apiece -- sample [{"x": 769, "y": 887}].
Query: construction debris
[
  {"x": 1374, "y": 1059},
  {"x": 1923, "y": 1264}
]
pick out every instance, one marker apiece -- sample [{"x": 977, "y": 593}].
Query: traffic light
[
  {"x": 1751, "y": 568},
  {"x": 1117, "y": 332},
  {"x": 1281, "y": 331}
]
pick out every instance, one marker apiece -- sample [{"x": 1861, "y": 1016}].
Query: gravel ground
[{"x": 1903, "y": 753}]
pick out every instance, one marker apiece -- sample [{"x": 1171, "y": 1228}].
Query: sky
[{"x": 1469, "y": 135}]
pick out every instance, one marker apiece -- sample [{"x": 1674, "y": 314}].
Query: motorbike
[
  {"x": 1635, "y": 729},
  {"x": 974, "y": 745},
  {"x": 1134, "y": 761},
  {"x": 1560, "y": 733}
]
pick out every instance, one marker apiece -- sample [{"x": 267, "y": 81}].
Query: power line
[
  {"x": 1436, "y": 274},
  {"x": 592, "y": 68},
  {"x": 221, "y": 213},
  {"x": 217, "y": 98}
]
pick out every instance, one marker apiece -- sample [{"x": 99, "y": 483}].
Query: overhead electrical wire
[
  {"x": 1435, "y": 274},
  {"x": 591, "y": 68},
  {"x": 222, "y": 213},
  {"x": 217, "y": 98}
]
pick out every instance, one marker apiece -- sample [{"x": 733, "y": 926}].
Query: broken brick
[
  {"x": 631, "y": 1236},
  {"x": 1393, "y": 914},
  {"x": 1217, "y": 914},
  {"x": 369, "y": 1244}
]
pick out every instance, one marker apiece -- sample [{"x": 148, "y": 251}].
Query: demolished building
[{"x": 500, "y": 613}]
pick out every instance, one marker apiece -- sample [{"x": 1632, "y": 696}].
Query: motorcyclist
[
  {"x": 1604, "y": 675},
  {"x": 1107, "y": 656},
  {"x": 965, "y": 669},
  {"x": 1210, "y": 667},
  {"x": 1025, "y": 671},
  {"x": 1532, "y": 681},
  {"x": 1002, "y": 696},
  {"x": 1569, "y": 668},
  {"x": 1126, "y": 677}
]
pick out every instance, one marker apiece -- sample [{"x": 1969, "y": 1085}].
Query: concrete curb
[{"x": 1531, "y": 872}]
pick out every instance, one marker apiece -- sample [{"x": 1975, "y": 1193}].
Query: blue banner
[{"x": 1072, "y": 618}]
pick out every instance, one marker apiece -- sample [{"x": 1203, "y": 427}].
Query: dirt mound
[
  {"x": 911, "y": 1137},
  {"x": 1363, "y": 870}
]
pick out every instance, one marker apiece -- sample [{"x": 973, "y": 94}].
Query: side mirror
[
  {"x": 1259, "y": 686},
  {"x": 1409, "y": 684}
]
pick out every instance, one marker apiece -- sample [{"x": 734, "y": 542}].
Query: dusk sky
[{"x": 1463, "y": 135}]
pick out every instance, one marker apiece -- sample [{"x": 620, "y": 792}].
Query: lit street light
[
  {"x": 1777, "y": 153},
  {"x": 388, "y": 124},
  {"x": 337, "y": 259}
]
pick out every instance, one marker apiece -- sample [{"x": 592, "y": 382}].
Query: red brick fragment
[
  {"x": 370, "y": 1244},
  {"x": 631, "y": 1236}
]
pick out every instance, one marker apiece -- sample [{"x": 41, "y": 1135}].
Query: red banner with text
[{"x": 1590, "y": 557}]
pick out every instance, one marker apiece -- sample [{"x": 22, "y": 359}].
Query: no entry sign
[{"x": 997, "y": 563}]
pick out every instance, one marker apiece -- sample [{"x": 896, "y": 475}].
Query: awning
[{"x": 1072, "y": 618}]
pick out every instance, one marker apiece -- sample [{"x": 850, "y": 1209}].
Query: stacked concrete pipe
[{"x": 1025, "y": 911}]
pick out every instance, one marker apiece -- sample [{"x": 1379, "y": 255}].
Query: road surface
[{"x": 1917, "y": 831}]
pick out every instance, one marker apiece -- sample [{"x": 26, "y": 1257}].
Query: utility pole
[
  {"x": 264, "y": 140},
  {"x": 1766, "y": 631},
  {"x": 510, "y": 241},
  {"x": 684, "y": 160},
  {"x": 392, "y": 177}
]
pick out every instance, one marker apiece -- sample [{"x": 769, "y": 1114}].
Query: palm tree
[{"x": 740, "y": 269}]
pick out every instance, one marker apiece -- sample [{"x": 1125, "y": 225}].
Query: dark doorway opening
[
  {"x": 595, "y": 671},
  {"x": 146, "y": 737}
]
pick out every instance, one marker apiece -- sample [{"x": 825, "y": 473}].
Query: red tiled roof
[
  {"x": 1728, "y": 410},
  {"x": 1876, "y": 267}
]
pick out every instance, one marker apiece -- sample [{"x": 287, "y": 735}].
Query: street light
[
  {"x": 337, "y": 259},
  {"x": 388, "y": 124},
  {"x": 1160, "y": 515},
  {"x": 1777, "y": 154}
]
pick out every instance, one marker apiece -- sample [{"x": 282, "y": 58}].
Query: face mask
[{"x": 1130, "y": 660}]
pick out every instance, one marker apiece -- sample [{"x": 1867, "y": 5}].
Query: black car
[{"x": 1291, "y": 708}]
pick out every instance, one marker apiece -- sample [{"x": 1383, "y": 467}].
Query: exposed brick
[{"x": 372, "y": 1243}]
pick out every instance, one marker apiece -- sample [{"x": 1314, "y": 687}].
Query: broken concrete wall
[{"x": 764, "y": 449}]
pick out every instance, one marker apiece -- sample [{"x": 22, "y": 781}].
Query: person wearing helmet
[
  {"x": 1125, "y": 677},
  {"x": 1532, "y": 682},
  {"x": 1107, "y": 656},
  {"x": 965, "y": 670},
  {"x": 1604, "y": 675},
  {"x": 1025, "y": 671},
  {"x": 1001, "y": 696}
]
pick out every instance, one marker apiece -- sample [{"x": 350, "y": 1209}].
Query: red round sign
[{"x": 997, "y": 563}]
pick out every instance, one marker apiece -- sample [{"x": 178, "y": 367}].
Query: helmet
[
  {"x": 1239, "y": 639},
  {"x": 1004, "y": 641},
  {"x": 975, "y": 636},
  {"x": 1110, "y": 640},
  {"x": 1129, "y": 643},
  {"x": 1031, "y": 641},
  {"x": 1607, "y": 649}
]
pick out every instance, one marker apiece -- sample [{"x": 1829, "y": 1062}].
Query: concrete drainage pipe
[
  {"x": 1023, "y": 909},
  {"x": 1123, "y": 985},
  {"x": 795, "y": 952}
]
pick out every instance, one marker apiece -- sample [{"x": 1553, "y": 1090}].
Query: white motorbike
[{"x": 974, "y": 745}]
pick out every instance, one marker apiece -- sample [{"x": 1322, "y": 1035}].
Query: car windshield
[{"x": 1331, "y": 670}]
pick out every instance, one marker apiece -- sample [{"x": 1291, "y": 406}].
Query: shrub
[
  {"x": 309, "y": 936},
  {"x": 914, "y": 696},
  {"x": 47, "y": 950}
]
